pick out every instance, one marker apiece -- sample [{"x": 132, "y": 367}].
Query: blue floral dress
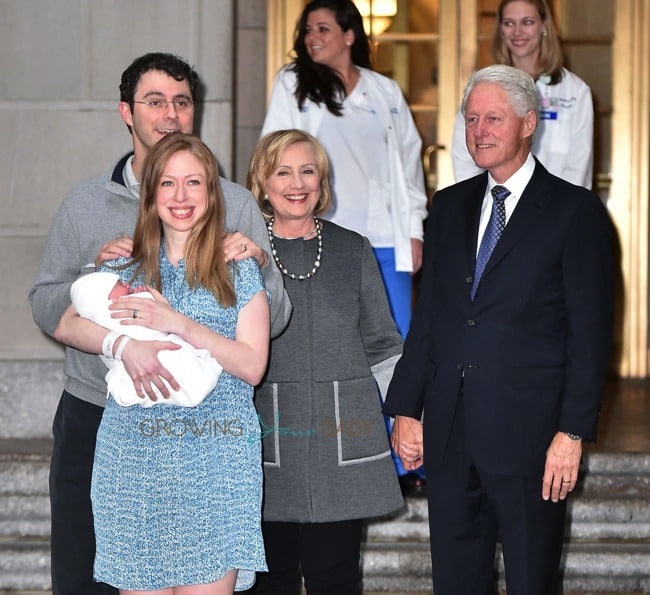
[{"x": 176, "y": 491}]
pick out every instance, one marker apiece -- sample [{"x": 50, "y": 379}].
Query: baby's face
[{"x": 119, "y": 289}]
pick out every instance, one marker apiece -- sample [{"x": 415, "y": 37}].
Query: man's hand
[
  {"x": 114, "y": 249},
  {"x": 237, "y": 246},
  {"x": 562, "y": 464},
  {"x": 406, "y": 440}
]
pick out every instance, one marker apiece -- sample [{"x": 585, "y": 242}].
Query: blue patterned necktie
[{"x": 493, "y": 231}]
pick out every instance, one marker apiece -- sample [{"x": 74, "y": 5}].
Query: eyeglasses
[{"x": 181, "y": 104}]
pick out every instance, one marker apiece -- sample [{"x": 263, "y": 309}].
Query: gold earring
[{"x": 544, "y": 33}]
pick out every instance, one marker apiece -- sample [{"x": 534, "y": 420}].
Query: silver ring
[
  {"x": 243, "y": 247},
  {"x": 566, "y": 481},
  {"x": 135, "y": 313}
]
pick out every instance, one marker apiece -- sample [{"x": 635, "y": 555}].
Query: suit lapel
[
  {"x": 472, "y": 216},
  {"x": 530, "y": 206}
]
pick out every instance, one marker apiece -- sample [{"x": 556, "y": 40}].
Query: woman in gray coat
[{"x": 327, "y": 463}]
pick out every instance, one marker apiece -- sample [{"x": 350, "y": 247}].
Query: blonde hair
[
  {"x": 266, "y": 158},
  {"x": 204, "y": 261},
  {"x": 550, "y": 60}
]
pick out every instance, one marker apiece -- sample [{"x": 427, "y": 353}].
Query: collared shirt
[
  {"x": 129, "y": 178},
  {"x": 516, "y": 183}
]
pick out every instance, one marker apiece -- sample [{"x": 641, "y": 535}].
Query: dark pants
[
  {"x": 470, "y": 509},
  {"x": 327, "y": 553},
  {"x": 73, "y": 535}
]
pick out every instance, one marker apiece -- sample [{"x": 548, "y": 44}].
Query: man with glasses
[{"x": 93, "y": 224}]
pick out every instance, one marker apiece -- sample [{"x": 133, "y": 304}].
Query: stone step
[
  {"x": 621, "y": 473},
  {"x": 25, "y": 516},
  {"x": 609, "y": 518},
  {"x": 625, "y": 474},
  {"x": 406, "y": 567},
  {"x": 608, "y": 549},
  {"x": 589, "y": 518},
  {"x": 616, "y": 463},
  {"x": 24, "y": 478},
  {"x": 600, "y": 567},
  {"x": 25, "y": 564}
]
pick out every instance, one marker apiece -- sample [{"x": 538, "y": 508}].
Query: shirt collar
[
  {"x": 518, "y": 181},
  {"x": 130, "y": 180}
]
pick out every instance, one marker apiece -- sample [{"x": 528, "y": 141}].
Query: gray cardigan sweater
[{"x": 325, "y": 445}]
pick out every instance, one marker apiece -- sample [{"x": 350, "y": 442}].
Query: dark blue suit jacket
[{"x": 533, "y": 348}]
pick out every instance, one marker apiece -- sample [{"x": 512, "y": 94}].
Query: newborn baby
[{"x": 195, "y": 370}]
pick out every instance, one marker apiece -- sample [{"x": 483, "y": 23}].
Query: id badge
[{"x": 548, "y": 115}]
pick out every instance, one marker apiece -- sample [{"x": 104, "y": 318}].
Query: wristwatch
[{"x": 572, "y": 436}]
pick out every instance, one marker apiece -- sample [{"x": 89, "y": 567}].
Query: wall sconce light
[{"x": 377, "y": 14}]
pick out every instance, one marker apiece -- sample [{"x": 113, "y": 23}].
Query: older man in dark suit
[{"x": 507, "y": 353}]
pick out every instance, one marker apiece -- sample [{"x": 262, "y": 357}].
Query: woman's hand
[
  {"x": 114, "y": 249},
  {"x": 407, "y": 441},
  {"x": 140, "y": 359},
  {"x": 416, "y": 251},
  {"x": 237, "y": 246},
  {"x": 155, "y": 314}
]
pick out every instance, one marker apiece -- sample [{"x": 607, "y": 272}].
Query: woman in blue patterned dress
[{"x": 177, "y": 491}]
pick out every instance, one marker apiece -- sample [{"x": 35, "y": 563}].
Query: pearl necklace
[
  {"x": 274, "y": 252},
  {"x": 305, "y": 237}
]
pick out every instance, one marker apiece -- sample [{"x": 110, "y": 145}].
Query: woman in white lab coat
[{"x": 364, "y": 123}]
